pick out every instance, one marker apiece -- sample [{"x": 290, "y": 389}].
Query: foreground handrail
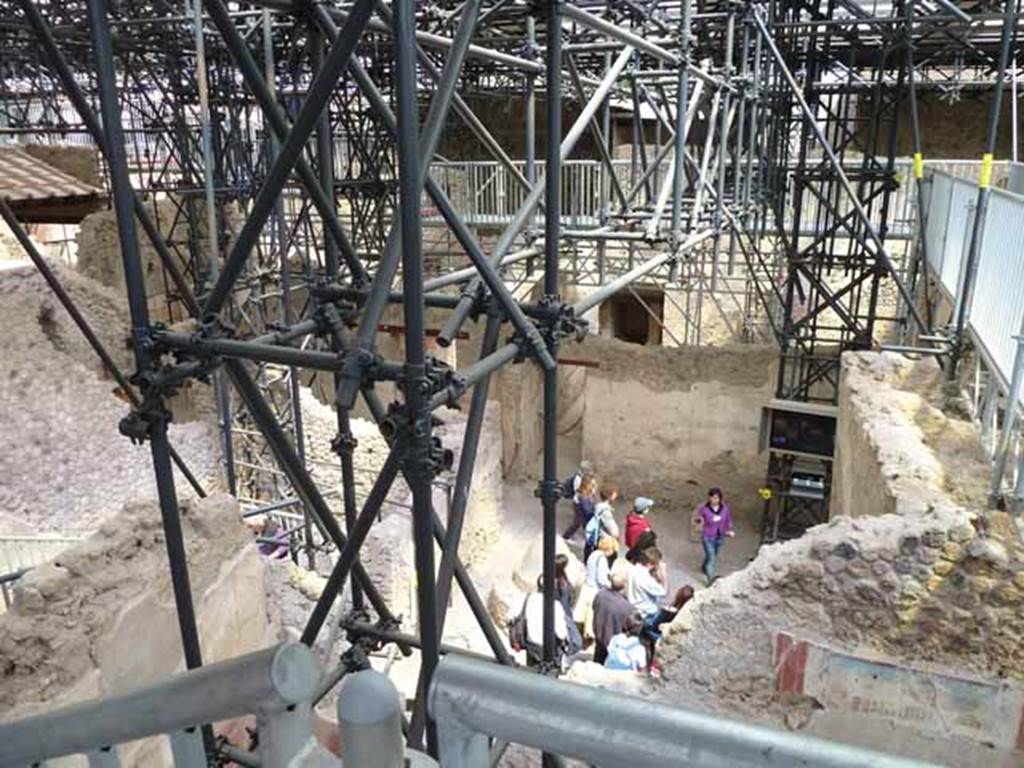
[
  {"x": 266, "y": 683},
  {"x": 473, "y": 700}
]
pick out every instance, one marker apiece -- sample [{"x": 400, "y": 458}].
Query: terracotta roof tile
[{"x": 24, "y": 178}]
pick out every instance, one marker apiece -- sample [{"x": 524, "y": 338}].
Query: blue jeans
[{"x": 711, "y": 547}]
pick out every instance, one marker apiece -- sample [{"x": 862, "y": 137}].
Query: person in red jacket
[{"x": 636, "y": 521}]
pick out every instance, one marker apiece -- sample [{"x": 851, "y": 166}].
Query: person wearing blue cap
[{"x": 636, "y": 521}]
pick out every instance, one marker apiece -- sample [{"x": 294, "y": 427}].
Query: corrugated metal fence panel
[
  {"x": 997, "y": 307},
  {"x": 939, "y": 192},
  {"x": 17, "y": 552},
  {"x": 959, "y": 220}
]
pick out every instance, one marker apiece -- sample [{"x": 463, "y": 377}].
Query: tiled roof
[{"x": 24, "y": 178}]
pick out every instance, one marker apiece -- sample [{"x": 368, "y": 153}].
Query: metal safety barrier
[
  {"x": 276, "y": 684},
  {"x": 279, "y": 685},
  {"x": 472, "y": 701},
  {"x": 994, "y": 309},
  {"x": 486, "y": 192}
]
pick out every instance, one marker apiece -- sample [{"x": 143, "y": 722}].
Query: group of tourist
[{"x": 623, "y": 601}]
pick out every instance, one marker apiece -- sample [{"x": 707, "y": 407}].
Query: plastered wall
[{"x": 662, "y": 422}]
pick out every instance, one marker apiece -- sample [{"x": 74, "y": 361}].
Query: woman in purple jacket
[{"x": 716, "y": 523}]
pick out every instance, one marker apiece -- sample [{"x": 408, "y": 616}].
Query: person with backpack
[
  {"x": 526, "y": 630},
  {"x": 626, "y": 651},
  {"x": 603, "y": 522},
  {"x": 715, "y": 518},
  {"x": 636, "y": 521},
  {"x": 571, "y": 487},
  {"x": 584, "y": 502}
]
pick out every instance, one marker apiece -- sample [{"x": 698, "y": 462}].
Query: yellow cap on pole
[{"x": 985, "y": 177}]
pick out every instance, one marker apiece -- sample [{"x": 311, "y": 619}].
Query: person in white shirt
[
  {"x": 648, "y": 584},
  {"x": 599, "y": 563},
  {"x": 598, "y": 577},
  {"x": 533, "y": 612}
]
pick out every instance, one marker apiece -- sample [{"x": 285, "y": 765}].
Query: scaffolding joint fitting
[
  {"x": 139, "y": 425},
  {"x": 548, "y": 491},
  {"x": 344, "y": 443},
  {"x": 355, "y": 657},
  {"x": 213, "y": 327}
]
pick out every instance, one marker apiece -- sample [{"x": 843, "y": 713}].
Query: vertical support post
[
  {"x": 284, "y": 733},
  {"x": 723, "y": 141},
  {"x": 344, "y": 444},
  {"x": 104, "y": 758},
  {"x": 682, "y": 100},
  {"x": 152, "y": 409},
  {"x": 737, "y": 150},
  {"x": 607, "y": 177},
  {"x": 187, "y": 749},
  {"x": 370, "y": 721},
  {"x": 418, "y": 463},
  {"x": 531, "y": 107},
  {"x": 552, "y": 222},
  {"x": 221, "y": 392},
  {"x": 918, "y": 254},
  {"x": 984, "y": 187},
  {"x": 1014, "y": 124},
  {"x": 1009, "y": 420}
]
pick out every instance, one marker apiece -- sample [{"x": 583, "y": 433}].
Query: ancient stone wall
[
  {"x": 910, "y": 571},
  {"x": 663, "y": 422},
  {"x": 100, "y": 619},
  {"x": 668, "y": 423}
]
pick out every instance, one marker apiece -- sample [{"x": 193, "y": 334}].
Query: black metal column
[
  {"x": 418, "y": 463},
  {"x": 552, "y": 212},
  {"x": 153, "y": 412}
]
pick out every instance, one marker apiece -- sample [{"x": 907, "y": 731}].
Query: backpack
[
  {"x": 568, "y": 487},
  {"x": 517, "y": 631},
  {"x": 592, "y": 531}
]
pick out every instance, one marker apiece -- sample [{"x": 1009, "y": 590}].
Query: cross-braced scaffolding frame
[{"x": 300, "y": 146}]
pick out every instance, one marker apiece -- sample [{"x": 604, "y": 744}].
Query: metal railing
[
  {"x": 276, "y": 684},
  {"x": 279, "y": 685},
  {"x": 997, "y": 302},
  {"x": 472, "y": 701},
  {"x": 486, "y": 193}
]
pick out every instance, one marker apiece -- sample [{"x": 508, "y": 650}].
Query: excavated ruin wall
[
  {"x": 662, "y": 422},
  {"x": 99, "y": 250},
  {"x": 389, "y": 549},
  {"x": 100, "y": 619},
  {"x": 64, "y": 465},
  {"x": 915, "y": 583}
]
